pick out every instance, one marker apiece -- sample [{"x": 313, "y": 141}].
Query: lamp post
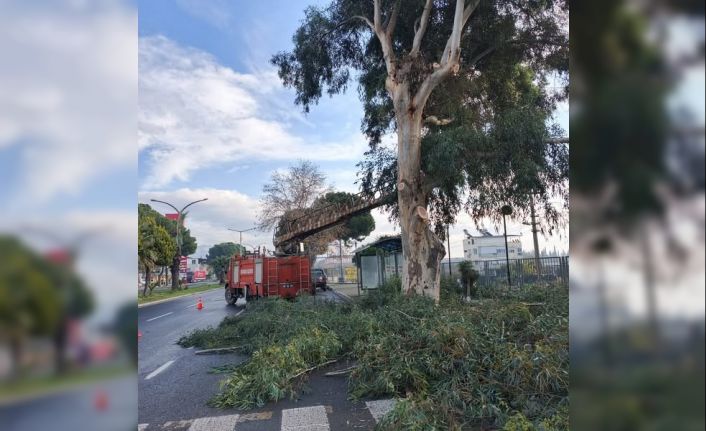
[
  {"x": 180, "y": 214},
  {"x": 506, "y": 210},
  {"x": 240, "y": 242},
  {"x": 448, "y": 245}
]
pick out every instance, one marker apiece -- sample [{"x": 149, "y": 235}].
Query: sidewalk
[{"x": 348, "y": 289}]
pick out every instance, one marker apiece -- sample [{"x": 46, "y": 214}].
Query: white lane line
[
  {"x": 192, "y": 305},
  {"x": 142, "y": 427},
  {"x": 305, "y": 419},
  {"x": 155, "y": 318},
  {"x": 159, "y": 370},
  {"x": 379, "y": 408},
  {"x": 214, "y": 423}
]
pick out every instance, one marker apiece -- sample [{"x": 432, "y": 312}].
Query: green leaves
[{"x": 453, "y": 365}]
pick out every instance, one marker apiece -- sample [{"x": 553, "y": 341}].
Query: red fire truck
[{"x": 255, "y": 276}]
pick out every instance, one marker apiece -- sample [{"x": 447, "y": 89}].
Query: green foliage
[
  {"x": 468, "y": 277},
  {"x": 219, "y": 255},
  {"x": 494, "y": 149},
  {"x": 126, "y": 328},
  {"x": 271, "y": 374},
  {"x": 30, "y": 303},
  {"x": 188, "y": 242},
  {"x": 453, "y": 365}
]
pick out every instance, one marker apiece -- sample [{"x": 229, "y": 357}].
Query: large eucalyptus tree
[{"x": 461, "y": 78}]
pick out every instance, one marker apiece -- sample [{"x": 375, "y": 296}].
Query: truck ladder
[
  {"x": 272, "y": 276},
  {"x": 304, "y": 276}
]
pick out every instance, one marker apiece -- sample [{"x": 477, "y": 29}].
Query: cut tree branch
[{"x": 433, "y": 119}]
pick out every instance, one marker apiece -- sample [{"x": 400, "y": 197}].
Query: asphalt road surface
[
  {"x": 75, "y": 409},
  {"x": 175, "y": 384}
]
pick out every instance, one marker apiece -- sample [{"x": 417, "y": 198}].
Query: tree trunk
[
  {"x": 60, "y": 339},
  {"x": 175, "y": 273},
  {"x": 148, "y": 280},
  {"x": 421, "y": 248},
  {"x": 16, "y": 357}
]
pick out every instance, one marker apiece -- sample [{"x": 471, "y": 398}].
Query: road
[
  {"x": 75, "y": 409},
  {"x": 175, "y": 384}
]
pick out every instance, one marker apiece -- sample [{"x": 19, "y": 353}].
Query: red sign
[
  {"x": 199, "y": 275},
  {"x": 183, "y": 265},
  {"x": 172, "y": 216}
]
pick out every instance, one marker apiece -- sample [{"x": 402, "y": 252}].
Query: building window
[
  {"x": 473, "y": 242},
  {"x": 475, "y": 251},
  {"x": 500, "y": 250},
  {"x": 512, "y": 250},
  {"x": 193, "y": 261}
]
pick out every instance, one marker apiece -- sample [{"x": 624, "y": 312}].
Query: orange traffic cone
[
  {"x": 100, "y": 400},
  {"x": 199, "y": 305}
]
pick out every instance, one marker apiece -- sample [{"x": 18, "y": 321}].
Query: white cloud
[
  {"x": 196, "y": 113},
  {"x": 68, "y": 93},
  {"x": 209, "y": 221}
]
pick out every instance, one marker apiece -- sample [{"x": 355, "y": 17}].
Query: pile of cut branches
[{"x": 496, "y": 363}]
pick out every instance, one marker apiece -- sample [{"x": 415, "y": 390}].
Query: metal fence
[{"x": 523, "y": 272}]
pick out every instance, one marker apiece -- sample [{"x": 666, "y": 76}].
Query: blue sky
[{"x": 215, "y": 120}]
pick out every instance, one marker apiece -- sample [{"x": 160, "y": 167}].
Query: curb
[{"x": 160, "y": 301}]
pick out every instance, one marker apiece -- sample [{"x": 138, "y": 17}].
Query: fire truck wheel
[{"x": 230, "y": 298}]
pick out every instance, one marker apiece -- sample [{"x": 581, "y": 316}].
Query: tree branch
[
  {"x": 478, "y": 57},
  {"x": 432, "y": 119},
  {"x": 376, "y": 16},
  {"x": 419, "y": 32},
  {"x": 450, "y": 58},
  {"x": 364, "y": 19},
  {"x": 392, "y": 19}
]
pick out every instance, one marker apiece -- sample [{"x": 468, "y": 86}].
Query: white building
[{"x": 491, "y": 247}]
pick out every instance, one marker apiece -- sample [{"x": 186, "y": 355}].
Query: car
[{"x": 319, "y": 279}]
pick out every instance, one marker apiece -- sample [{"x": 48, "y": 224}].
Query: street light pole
[
  {"x": 240, "y": 242},
  {"x": 180, "y": 213},
  {"x": 448, "y": 245},
  {"x": 506, "y": 210}
]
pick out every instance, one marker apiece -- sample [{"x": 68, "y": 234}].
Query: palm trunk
[{"x": 421, "y": 248}]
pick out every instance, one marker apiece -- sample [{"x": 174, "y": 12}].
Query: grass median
[
  {"x": 158, "y": 294},
  {"x": 20, "y": 388}
]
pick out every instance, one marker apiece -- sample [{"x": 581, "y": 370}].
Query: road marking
[
  {"x": 214, "y": 423},
  {"x": 379, "y": 408},
  {"x": 159, "y": 370},
  {"x": 192, "y": 305},
  {"x": 142, "y": 427},
  {"x": 155, "y": 318},
  {"x": 305, "y": 419}
]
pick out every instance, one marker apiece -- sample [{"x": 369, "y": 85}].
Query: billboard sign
[{"x": 183, "y": 264}]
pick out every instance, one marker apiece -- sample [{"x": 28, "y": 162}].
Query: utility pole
[
  {"x": 506, "y": 210},
  {"x": 340, "y": 258},
  {"x": 448, "y": 245},
  {"x": 537, "y": 261}
]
